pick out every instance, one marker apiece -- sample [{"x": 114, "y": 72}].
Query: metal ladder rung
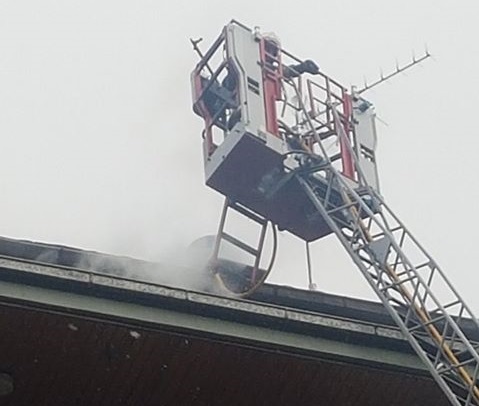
[
  {"x": 409, "y": 270},
  {"x": 427, "y": 323},
  {"x": 397, "y": 302},
  {"x": 240, "y": 244},
  {"x": 399, "y": 283},
  {"x": 402, "y": 273},
  {"x": 382, "y": 234},
  {"x": 464, "y": 351},
  {"x": 464, "y": 363},
  {"x": 248, "y": 213},
  {"x": 343, "y": 207},
  {"x": 451, "y": 367},
  {"x": 446, "y": 306},
  {"x": 439, "y": 311}
]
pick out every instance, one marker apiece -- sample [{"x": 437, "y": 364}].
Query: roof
[{"x": 76, "y": 331}]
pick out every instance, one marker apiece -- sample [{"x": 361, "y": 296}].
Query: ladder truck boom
[{"x": 291, "y": 147}]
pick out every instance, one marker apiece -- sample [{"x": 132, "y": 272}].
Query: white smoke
[
  {"x": 190, "y": 276},
  {"x": 188, "y": 268}
]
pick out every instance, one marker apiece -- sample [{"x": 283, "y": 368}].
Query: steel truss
[{"x": 410, "y": 284}]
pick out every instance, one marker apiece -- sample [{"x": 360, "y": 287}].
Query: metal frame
[
  {"x": 314, "y": 119},
  {"x": 256, "y": 279},
  {"x": 407, "y": 280}
]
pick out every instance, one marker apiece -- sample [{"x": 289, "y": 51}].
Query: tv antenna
[{"x": 399, "y": 69}]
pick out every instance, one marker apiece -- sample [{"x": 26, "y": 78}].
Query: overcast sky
[{"x": 100, "y": 148}]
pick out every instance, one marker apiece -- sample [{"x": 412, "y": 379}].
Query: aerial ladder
[{"x": 293, "y": 149}]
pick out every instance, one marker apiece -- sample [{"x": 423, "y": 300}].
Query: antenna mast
[{"x": 397, "y": 71}]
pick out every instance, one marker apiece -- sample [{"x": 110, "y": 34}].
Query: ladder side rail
[
  {"x": 412, "y": 270},
  {"x": 435, "y": 272},
  {"x": 410, "y": 275},
  {"x": 438, "y": 269},
  {"x": 447, "y": 357},
  {"x": 377, "y": 197},
  {"x": 381, "y": 295},
  {"x": 384, "y": 227}
]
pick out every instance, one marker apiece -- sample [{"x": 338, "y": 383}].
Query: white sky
[{"x": 101, "y": 150}]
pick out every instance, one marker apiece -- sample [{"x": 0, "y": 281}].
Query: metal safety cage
[
  {"x": 265, "y": 112},
  {"x": 209, "y": 101},
  {"x": 284, "y": 78},
  {"x": 305, "y": 112}
]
